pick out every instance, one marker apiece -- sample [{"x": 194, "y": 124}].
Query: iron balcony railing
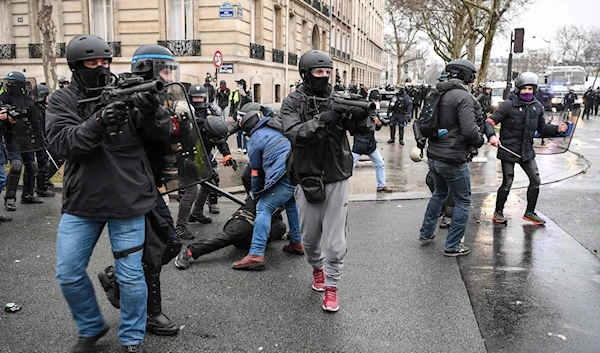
[
  {"x": 257, "y": 51},
  {"x": 278, "y": 56},
  {"x": 187, "y": 47},
  {"x": 292, "y": 59},
  {"x": 115, "y": 48},
  {"x": 36, "y": 50}
]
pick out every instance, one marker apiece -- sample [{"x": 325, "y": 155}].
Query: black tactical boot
[
  {"x": 10, "y": 204},
  {"x": 30, "y": 199},
  {"x": 158, "y": 323},
  {"x": 45, "y": 193},
  {"x": 392, "y": 134}
]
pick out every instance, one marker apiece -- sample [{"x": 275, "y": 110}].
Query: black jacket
[
  {"x": 105, "y": 176},
  {"x": 223, "y": 98},
  {"x": 317, "y": 148},
  {"x": 211, "y": 92},
  {"x": 485, "y": 100},
  {"x": 457, "y": 114},
  {"x": 519, "y": 121}
]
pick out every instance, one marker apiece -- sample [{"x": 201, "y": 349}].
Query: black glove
[
  {"x": 114, "y": 114},
  {"x": 332, "y": 116},
  {"x": 358, "y": 114},
  {"x": 146, "y": 102}
]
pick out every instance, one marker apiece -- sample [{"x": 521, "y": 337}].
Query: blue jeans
[
  {"x": 280, "y": 194},
  {"x": 449, "y": 177},
  {"x": 242, "y": 141},
  {"x": 376, "y": 158},
  {"x": 76, "y": 239}
]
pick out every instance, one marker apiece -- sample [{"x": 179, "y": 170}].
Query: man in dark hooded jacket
[{"x": 447, "y": 155}]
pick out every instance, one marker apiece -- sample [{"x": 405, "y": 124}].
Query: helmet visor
[{"x": 167, "y": 70}]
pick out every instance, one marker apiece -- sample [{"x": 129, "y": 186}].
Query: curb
[{"x": 420, "y": 195}]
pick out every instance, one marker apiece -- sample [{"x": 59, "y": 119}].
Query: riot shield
[
  {"x": 23, "y": 131},
  {"x": 188, "y": 163},
  {"x": 555, "y": 145}
]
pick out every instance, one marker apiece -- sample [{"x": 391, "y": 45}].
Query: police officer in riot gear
[
  {"x": 108, "y": 180},
  {"x": 399, "y": 108},
  {"x": 322, "y": 163},
  {"x": 63, "y": 82},
  {"x": 153, "y": 62},
  {"x": 47, "y": 167},
  {"x": 23, "y": 136},
  {"x": 202, "y": 108},
  {"x": 214, "y": 133}
]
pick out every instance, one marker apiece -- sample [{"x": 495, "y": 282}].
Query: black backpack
[{"x": 427, "y": 122}]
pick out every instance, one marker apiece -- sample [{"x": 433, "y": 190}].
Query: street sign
[
  {"x": 226, "y": 69},
  {"x": 218, "y": 59},
  {"x": 226, "y": 10},
  {"x": 240, "y": 12}
]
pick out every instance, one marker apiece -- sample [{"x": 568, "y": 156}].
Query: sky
[{"x": 544, "y": 17}]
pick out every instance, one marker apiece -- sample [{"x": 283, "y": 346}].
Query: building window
[
  {"x": 101, "y": 16},
  {"x": 181, "y": 20},
  {"x": 291, "y": 34},
  {"x": 256, "y": 23},
  {"x": 278, "y": 29},
  {"x": 315, "y": 42}
]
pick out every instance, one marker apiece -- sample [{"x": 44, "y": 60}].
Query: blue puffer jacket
[{"x": 267, "y": 151}]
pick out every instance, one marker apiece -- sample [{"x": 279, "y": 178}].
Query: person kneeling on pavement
[
  {"x": 237, "y": 231},
  {"x": 268, "y": 150}
]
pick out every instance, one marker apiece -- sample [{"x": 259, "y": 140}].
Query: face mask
[
  {"x": 318, "y": 84},
  {"x": 223, "y": 87},
  {"x": 14, "y": 89},
  {"x": 199, "y": 105},
  {"x": 527, "y": 97},
  {"x": 95, "y": 78}
]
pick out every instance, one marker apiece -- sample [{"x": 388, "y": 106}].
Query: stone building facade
[{"x": 260, "y": 40}]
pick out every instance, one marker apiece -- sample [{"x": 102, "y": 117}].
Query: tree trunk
[
  {"x": 46, "y": 25},
  {"x": 487, "y": 48},
  {"x": 472, "y": 46}
]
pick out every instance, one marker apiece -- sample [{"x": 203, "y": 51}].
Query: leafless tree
[
  {"x": 495, "y": 11},
  {"x": 446, "y": 23},
  {"x": 402, "y": 42},
  {"x": 571, "y": 42},
  {"x": 46, "y": 26}
]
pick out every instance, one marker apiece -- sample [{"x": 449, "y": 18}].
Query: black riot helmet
[
  {"x": 85, "y": 47},
  {"x": 40, "y": 93},
  {"x": 247, "y": 108},
  {"x": 461, "y": 69},
  {"x": 15, "y": 82},
  {"x": 214, "y": 128},
  {"x": 250, "y": 120},
  {"x": 195, "y": 92},
  {"x": 311, "y": 60},
  {"x": 62, "y": 82},
  {"x": 154, "y": 61}
]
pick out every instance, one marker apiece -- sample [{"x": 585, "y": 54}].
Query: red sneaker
[
  {"x": 318, "y": 280},
  {"x": 330, "y": 303}
]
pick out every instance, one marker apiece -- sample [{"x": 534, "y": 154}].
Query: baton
[
  {"x": 509, "y": 151},
  {"x": 52, "y": 159}
]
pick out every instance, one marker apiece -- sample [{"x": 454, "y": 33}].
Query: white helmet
[{"x": 415, "y": 154}]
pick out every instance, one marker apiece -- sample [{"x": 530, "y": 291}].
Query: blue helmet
[
  {"x": 15, "y": 76},
  {"x": 154, "y": 61}
]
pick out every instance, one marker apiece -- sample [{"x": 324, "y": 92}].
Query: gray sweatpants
[{"x": 323, "y": 228}]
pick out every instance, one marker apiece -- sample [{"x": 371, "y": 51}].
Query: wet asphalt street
[{"x": 524, "y": 288}]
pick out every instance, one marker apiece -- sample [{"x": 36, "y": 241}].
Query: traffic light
[{"x": 519, "y": 37}]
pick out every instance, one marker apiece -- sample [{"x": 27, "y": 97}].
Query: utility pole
[{"x": 509, "y": 68}]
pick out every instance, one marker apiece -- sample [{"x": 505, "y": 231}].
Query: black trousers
[
  {"x": 596, "y": 104},
  {"x": 587, "y": 110},
  {"x": 237, "y": 232},
  {"x": 508, "y": 175}
]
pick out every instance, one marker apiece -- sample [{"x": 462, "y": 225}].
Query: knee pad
[{"x": 15, "y": 167}]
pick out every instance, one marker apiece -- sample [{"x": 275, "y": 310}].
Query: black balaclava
[
  {"x": 15, "y": 88},
  {"x": 318, "y": 85},
  {"x": 92, "y": 79}
]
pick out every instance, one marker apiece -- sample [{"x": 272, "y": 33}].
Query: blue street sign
[{"x": 226, "y": 10}]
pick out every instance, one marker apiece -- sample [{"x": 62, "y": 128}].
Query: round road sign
[{"x": 218, "y": 59}]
